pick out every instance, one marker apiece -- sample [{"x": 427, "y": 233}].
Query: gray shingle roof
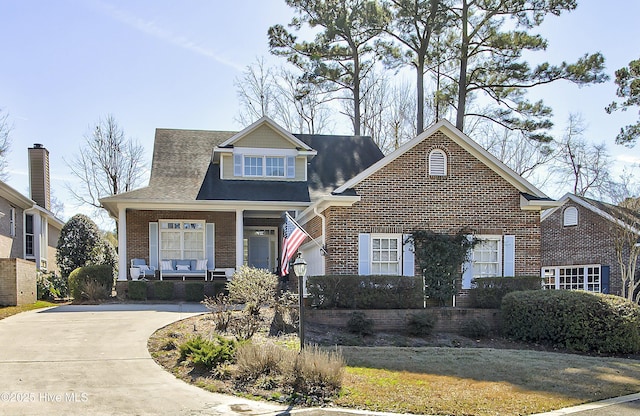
[{"x": 182, "y": 169}]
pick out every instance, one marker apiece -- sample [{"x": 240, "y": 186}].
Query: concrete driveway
[{"x": 93, "y": 360}]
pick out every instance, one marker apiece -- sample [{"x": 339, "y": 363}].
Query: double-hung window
[
  {"x": 274, "y": 166},
  {"x": 385, "y": 254},
  {"x": 487, "y": 257},
  {"x": 28, "y": 236},
  {"x": 252, "y": 166},
  {"x": 182, "y": 239}
]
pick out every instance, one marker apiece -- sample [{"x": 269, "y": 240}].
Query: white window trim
[
  {"x": 32, "y": 234},
  {"x": 182, "y": 231},
  {"x": 431, "y": 168},
  {"x": 284, "y": 158},
  {"x": 497, "y": 238},
  {"x": 399, "y": 248},
  {"x": 555, "y": 270},
  {"x": 12, "y": 222}
]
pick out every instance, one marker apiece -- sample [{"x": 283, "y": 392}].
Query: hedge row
[
  {"x": 165, "y": 290},
  {"x": 575, "y": 320},
  {"x": 365, "y": 292},
  {"x": 487, "y": 292}
]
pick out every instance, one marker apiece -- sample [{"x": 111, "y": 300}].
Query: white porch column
[
  {"x": 239, "y": 238},
  {"x": 123, "y": 268}
]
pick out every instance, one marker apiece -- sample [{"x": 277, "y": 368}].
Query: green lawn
[
  {"x": 480, "y": 381},
  {"x": 6, "y": 311}
]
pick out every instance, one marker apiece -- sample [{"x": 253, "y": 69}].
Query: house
[
  {"x": 221, "y": 196},
  {"x": 28, "y": 231},
  {"x": 578, "y": 249}
]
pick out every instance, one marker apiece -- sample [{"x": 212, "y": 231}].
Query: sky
[{"x": 172, "y": 64}]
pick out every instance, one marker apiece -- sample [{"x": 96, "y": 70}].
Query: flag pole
[{"x": 324, "y": 251}]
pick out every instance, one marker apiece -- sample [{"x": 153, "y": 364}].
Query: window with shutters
[
  {"x": 437, "y": 163},
  {"x": 385, "y": 254},
  {"x": 182, "y": 239},
  {"x": 570, "y": 216},
  {"x": 29, "y": 241},
  {"x": 487, "y": 257}
]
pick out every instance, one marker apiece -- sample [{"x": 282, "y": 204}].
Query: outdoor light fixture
[{"x": 300, "y": 269}]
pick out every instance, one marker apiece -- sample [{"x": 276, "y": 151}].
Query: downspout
[{"x": 324, "y": 228}]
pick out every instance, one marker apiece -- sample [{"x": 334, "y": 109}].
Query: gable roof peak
[{"x": 264, "y": 120}]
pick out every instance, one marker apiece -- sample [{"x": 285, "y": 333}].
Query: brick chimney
[{"x": 39, "y": 176}]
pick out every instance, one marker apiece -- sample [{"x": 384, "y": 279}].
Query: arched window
[
  {"x": 437, "y": 163},
  {"x": 570, "y": 216}
]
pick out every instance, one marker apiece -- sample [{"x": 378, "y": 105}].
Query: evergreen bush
[
  {"x": 137, "y": 290},
  {"x": 208, "y": 353},
  {"x": 575, "y": 320},
  {"x": 194, "y": 292},
  {"x": 101, "y": 275},
  {"x": 487, "y": 292},
  {"x": 420, "y": 324},
  {"x": 163, "y": 290}
]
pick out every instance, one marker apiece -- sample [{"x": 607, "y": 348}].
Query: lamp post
[{"x": 300, "y": 269}]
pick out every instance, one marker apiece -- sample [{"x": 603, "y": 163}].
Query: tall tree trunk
[
  {"x": 356, "y": 93},
  {"x": 420, "y": 95},
  {"x": 464, "y": 61}
]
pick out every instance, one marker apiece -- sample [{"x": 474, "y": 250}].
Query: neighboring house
[
  {"x": 578, "y": 250},
  {"x": 221, "y": 196},
  {"x": 28, "y": 229}
]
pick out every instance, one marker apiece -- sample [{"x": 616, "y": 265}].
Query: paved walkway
[{"x": 93, "y": 360}]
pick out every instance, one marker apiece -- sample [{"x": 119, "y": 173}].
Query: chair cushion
[
  {"x": 183, "y": 267},
  {"x": 201, "y": 265},
  {"x": 166, "y": 265}
]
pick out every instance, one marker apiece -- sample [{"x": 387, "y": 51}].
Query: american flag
[{"x": 292, "y": 238}]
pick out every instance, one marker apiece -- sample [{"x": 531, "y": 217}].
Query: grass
[
  {"x": 439, "y": 381},
  {"x": 6, "y": 311},
  {"x": 480, "y": 381}
]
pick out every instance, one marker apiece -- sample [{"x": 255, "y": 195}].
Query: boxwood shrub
[
  {"x": 137, "y": 290},
  {"x": 82, "y": 276},
  {"x": 365, "y": 292},
  {"x": 487, "y": 292},
  {"x": 163, "y": 290},
  {"x": 575, "y": 320},
  {"x": 194, "y": 292}
]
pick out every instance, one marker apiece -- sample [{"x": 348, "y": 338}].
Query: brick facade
[
  {"x": 17, "y": 282},
  {"x": 589, "y": 242},
  {"x": 225, "y": 240},
  {"x": 401, "y": 197}
]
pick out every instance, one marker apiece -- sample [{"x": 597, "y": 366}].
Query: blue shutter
[
  {"x": 467, "y": 270},
  {"x": 237, "y": 165},
  {"x": 153, "y": 245},
  {"x": 364, "y": 254},
  {"x": 605, "y": 279},
  {"x": 509, "y": 255},
  {"x": 291, "y": 167},
  {"x": 210, "y": 244},
  {"x": 408, "y": 257}
]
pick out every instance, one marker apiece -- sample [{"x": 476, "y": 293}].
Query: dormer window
[
  {"x": 267, "y": 166},
  {"x": 437, "y": 163}
]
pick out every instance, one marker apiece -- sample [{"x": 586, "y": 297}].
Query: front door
[{"x": 259, "y": 252}]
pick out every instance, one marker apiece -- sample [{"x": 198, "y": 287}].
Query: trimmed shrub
[
  {"x": 208, "y": 354},
  {"x": 137, "y": 290},
  {"x": 194, "y": 292},
  {"x": 475, "y": 328},
  {"x": 365, "y": 292},
  {"x": 420, "y": 324},
  {"x": 102, "y": 275},
  {"x": 487, "y": 292},
  {"x": 575, "y": 320},
  {"x": 163, "y": 290},
  {"x": 359, "y": 324}
]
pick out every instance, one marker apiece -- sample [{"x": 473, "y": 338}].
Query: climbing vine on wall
[{"x": 440, "y": 258}]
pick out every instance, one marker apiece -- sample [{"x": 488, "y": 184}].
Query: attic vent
[
  {"x": 437, "y": 163},
  {"x": 570, "y": 216}
]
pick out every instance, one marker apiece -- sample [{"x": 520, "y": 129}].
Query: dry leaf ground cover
[{"x": 460, "y": 379}]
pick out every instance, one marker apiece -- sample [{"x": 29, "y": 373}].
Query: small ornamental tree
[
  {"x": 81, "y": 244},
  {"x": 440, "y": 258}
]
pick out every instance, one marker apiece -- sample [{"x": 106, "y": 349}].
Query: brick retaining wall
[
  {"x": 448, "y": 319},
  {"x": 17, "y": 282}
]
